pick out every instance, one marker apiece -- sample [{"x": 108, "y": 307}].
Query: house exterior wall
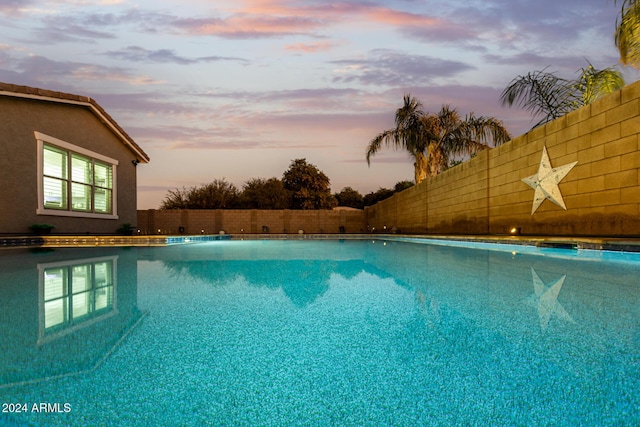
[
  {"x": 74, "y": 124},
  {"x": 485, "y": 195}
]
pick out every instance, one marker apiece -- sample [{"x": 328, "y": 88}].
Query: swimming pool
[{"x": 352, "y": 332}]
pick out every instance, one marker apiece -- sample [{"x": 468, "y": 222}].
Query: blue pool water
[{"x": 316, "y": 333}]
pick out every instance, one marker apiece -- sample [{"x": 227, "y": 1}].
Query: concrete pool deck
[{"x": 626, "y": 244}]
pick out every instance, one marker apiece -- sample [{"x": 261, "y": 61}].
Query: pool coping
[
  {"x": 584, "y": 243},
  {"x": 626, "y": 244}
]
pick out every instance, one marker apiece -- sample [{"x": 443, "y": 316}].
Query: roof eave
[{"x": 60, "y": 97}]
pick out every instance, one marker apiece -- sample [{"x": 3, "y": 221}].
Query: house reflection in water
[
  {"x": 62, "y": 311},
  {"x": 75, "y": 294}
]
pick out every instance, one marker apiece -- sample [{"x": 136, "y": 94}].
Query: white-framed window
[
  {"x": 75, "y": 294},
  {"x": 74, "y": 181}
]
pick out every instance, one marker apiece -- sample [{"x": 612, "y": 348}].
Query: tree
[
  {"x": 349, "y": 197},
  {"x": 377, "y": 196},
  {"x": 260, "y": 193},
  {"x": 409, "y": 134},
  {"x": 219, "y": 194},
  {"x": 402, "y": 185},
  {"x": 384, "y": 193},
  {"x": 453, "y": 137},
  {"x": 544, "y": 93},
  {"x": 176, "y": 199},
  {"x": 308, "y": 186},
  {"x": 627, "y": 34},
  {"x": 432, "y": 139}
]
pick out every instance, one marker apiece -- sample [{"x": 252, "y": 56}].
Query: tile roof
[{"x": 8, "y": 89}]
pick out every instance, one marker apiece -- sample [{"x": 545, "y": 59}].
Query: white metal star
[
  {"x": 545, "y": 182},
  {"x": 546, "y": 300}
]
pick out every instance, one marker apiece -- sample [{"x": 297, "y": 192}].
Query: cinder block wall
[
  {"x": 232, "y": 221},
  {"x": 486, "y": 195},
  {"x": 457, "y": 198}
]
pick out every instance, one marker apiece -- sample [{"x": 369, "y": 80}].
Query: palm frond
[
  {"x": 627, "y": 34},
  {"x": 478, "y": 133},
  {"x": 541, "y": 93},
  {"x": 594, "y": 84},
  {"x": 388, "y": 137}
]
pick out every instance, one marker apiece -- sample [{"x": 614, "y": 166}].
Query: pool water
[{"x": 316, "y": 333}]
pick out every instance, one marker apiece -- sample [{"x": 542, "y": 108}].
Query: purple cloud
[
  {"x": 12, "y": 7},
  {"x": 58, "y": 29},
  {"x": 392, "y": 68},
  {"x": 140, "y": 54}
]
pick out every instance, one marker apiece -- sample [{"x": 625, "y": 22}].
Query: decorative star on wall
[
  {"x": 546, "y": 300},
  {"x": 545, "y": 182}
]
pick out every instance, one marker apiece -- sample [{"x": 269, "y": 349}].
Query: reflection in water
[
  {"x": 303, "y": 281},
  {"x": 62, "y": 313},
  {"x": 430, "y": 308},
  {"x": 74, "y": 294},
  {"x": 546, "y": 300}
]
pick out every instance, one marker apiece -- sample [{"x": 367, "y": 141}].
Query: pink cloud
[
  {"x": 249, "y": 26},
  {"x": 271, "y": 18},
  {"x": 398, "y": 18},
  {"x": 336, "y": 11},
  {"x": 310, "y": 47},
  {"x": 266, "y": 7}
]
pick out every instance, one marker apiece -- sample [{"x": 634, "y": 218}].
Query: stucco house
[{"x": 65, "y": 162}]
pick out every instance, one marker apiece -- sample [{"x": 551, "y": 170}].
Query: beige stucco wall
[
  {"x": 486, "y": 194},
  {"x": 235, "y": 221},
  {"x": 18, "y": 153}
]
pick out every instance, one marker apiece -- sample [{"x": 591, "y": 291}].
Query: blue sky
[{"x": 236, "y": 90}]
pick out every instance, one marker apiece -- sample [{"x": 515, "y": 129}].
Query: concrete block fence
[
  {"x": 486, "y": 195},
  {"x": 253, "y": 221}
]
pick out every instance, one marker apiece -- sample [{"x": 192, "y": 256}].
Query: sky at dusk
[{"x": 237, "y": 89}]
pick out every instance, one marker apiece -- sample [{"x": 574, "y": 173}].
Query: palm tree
[
  {"x": 409, "y": 133},
  {"x": 432, "y": 139},
  {"x": 455, "y": 137},
  {"x": 627, "y": 35},
  {"x": 544, "y": 93}
]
